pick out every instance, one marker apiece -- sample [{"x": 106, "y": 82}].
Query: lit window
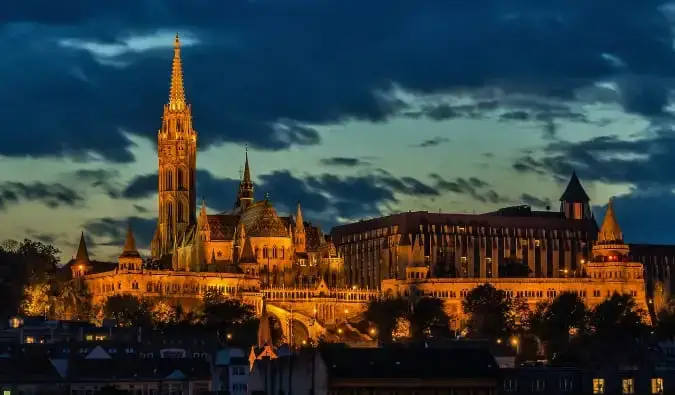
[
  {"x": 510, "y": 385},
  {"x": 627, "y": 386},
  {"x": 30, "y": 339},
  {"x": 6, "y": 392},
  {"x": 598, "y": 386},
  {"x": 657, "y": 386}
]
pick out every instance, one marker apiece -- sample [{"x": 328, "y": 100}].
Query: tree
[
  {"x": 428, "y": 318},
  {"x": 162, "y": 314},
  {"x": 71, "y": 300},
  {"x": 128, "y": 311},
  {"x": 234, "y": 318},
  {"x": 616, "y": 329},
  {"x": 556, "y": 323},
  {"x": 489, "y": 313},
  {"x": 384, "y": 313},
  {"x": 213, "y": 296},
  {"x": 664, "y": 327},
  {"x": 23, "y": 264}
]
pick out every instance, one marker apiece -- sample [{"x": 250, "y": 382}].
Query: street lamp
[{"x": 516, "y": 343}]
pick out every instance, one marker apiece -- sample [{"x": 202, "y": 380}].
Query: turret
[
  {"x": 300, "y": 236},
  {"x": 130, "y": 259},
  {"x": 610, "y": 245},
  {"x": 245, "y": 193},
  {"x": 574, "y": 202},
  {"x": 81, "y": 265}
]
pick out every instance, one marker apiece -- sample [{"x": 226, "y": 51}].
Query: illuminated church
[{"x": 251, "y": 238}]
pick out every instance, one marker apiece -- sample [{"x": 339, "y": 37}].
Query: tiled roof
[
  {"x": 261, "y": 220},
  {"x": 26, "y": 369},
  {"x": 223, "y": 226},
  {"x": 137, "y": 368},
  {"x": 410, "y": 223}
]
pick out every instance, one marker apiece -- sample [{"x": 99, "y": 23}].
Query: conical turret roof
[
  {"x": 130, "y": 244},
  {"x": 575, "y": 192},
  {"x": 610, "y": 232},
  {"x": 82, "y": 255}
]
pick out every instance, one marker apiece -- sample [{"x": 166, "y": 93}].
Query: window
[
  {"x": 657, "y": 386},
  {"x": 598, "y": 386},
  {"x": 30, "y": 339},
  {"x": 180, "y": 212},
  {"x": 627, "y": 386},
  {"x": 510, "y": 385},
  {"x": 239, "y": 387},
  {"x": 6, "y": 392},
  {"x": 169, "y": 212},
  {"x": 538, "y": 385},
  {"x": 566, "y": 384},
  {"x": 181, "y": 178}
]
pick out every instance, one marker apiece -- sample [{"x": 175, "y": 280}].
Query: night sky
[{"x": 356, "y": 108}]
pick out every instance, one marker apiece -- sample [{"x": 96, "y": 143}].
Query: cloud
[
  {"x": 644, "y": 161},
  {"x": 341, "y": 161},
  {"x": 432, "y": 142},
  {"x": 535, "y": 201},
  {"x": 254, "y": 74},
  {"x": 326, "y": 196},
  {"x": 51, "y": 194},
  {"x": 473, "y": 187},
  {"x": 113, "y": 230}
]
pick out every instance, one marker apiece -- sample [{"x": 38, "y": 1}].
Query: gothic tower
[
  {"x": 245, "y": 192},
  {"x": 177, "y": 152},
  {"x": 574, "y": 202},
  {"x": 300, "y": 236}
]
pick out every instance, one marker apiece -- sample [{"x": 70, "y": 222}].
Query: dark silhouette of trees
[
  {"x": 384, "y": 313},
  {"x": 558, "y": 322},
  {"x": 489, "y": 311},
  {"x": 429, "y": 319},
  {"x": 128, "y": 310}
]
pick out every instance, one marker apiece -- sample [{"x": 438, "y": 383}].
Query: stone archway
[
  {"x": 299, "y": 333},
  {"x": 305, "y": 326}
]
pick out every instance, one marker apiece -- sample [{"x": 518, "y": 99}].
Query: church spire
[
  {"x": 130, "y": 243},
  {"x": 574, "y": 202},
  {"x": 177, "y": 90},
  {"x": 82, "y": 255},
  {"x": 245, "y": 193}
]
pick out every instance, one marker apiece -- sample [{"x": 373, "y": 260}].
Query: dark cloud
[
  {"x": 266, "y": 70},
  {"x": 642, "y": 216},
  {"x": 325, "y": 196},
  {"x": 343, "y": 161},
  {"x": 432, "y": 142},
  {"x": 51, "y": 194},
  {"x": 535, "y": 201},
  {"x": 114, "y": 230},
  {"x": 474, "y": 187},
  {"x": 105, "y": 179},
  {"x": 644, "y": 161}
]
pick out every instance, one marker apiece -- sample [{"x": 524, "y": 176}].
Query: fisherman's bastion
[{"x": 311, "y": 282}]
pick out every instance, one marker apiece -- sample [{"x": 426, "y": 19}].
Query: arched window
[
  {"x": 274, "y": 252},
  {"x": 169, "y": 212},
  {"x": 265, "y": 252},
  {"x": 179, "y": 213},
  {"x": 181, "y": 178},
  {"x": 169, "y": 179}
]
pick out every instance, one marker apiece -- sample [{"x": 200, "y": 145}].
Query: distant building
[{"x": 336, "y": 370}]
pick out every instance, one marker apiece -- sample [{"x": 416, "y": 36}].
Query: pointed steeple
[
  {"x": 299, "y": 222},
  {"x": 245, "y": 192},
  {"x": 574, "y": 202},
  {"x": 610, "y": 242},
  {"x": 247, "y": 170},
  {"x": 575, "y": 192},
  {"x": 82, "y": 255},
  {"x": 264, "y": 330},
  {"x": 610, "y": 232},
  {"x": 130, "y": 244},
  {"x": 177, "y": 90}
]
